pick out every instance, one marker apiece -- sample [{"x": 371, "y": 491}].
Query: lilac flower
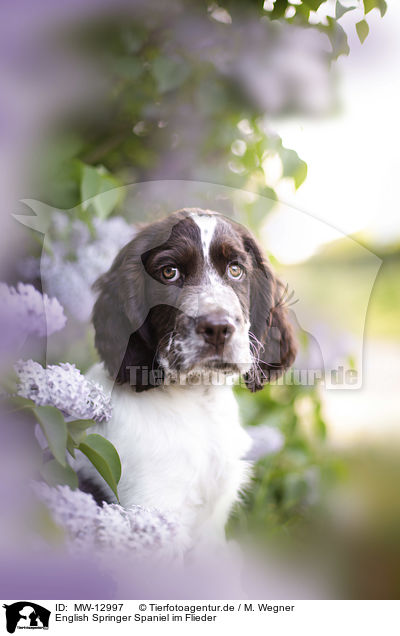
[
  {"x": 25, "y": 311},
  {"x": 109, "y": 527},
  {"x": 79, "y": 234},
  {"x": 72, "y": 510},
  {"x": 115, "y": 230},
  {"x": 136, "y": 529},
  {"x": 267, "y": 440},
  {"x": 59, "y": 224},
  {"x": 77, "y": 259},
  {"x": 64, "y": 387},
  {"x": 70, "y": 283}
]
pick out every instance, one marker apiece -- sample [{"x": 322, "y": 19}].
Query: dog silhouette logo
[{"x": 26, "y": 615}]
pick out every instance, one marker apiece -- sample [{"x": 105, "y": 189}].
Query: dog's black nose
[{"x": 216, "y": 330}]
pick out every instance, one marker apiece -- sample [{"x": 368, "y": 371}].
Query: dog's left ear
[{"x": 270, "y": 329}]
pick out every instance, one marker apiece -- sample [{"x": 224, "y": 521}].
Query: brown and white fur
[{"x": 189, "y": 304}]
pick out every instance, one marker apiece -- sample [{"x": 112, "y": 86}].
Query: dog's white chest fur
[{"x": 181, "y": 450}]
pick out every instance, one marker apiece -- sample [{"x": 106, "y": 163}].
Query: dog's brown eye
[
  {"x": 170, "y": 273},
  {"x": 235, "y": 271}
]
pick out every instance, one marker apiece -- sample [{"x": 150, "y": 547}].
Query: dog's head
[{"x": 188, "y": 295}]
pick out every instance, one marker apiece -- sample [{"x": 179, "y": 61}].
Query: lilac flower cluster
[
  {"x": 267, "y": 440},
  {"x": 25, "y": 311},
  {"x": 78, "y": 258},
  {"x": 64, "y": 387},
  {"x": 108, "y": 527}
]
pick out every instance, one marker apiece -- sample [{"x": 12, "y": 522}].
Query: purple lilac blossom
[
  {"x": 77, "y": 259},
  {"x": 64, "y": 387},
  {"x": 25, "y": 311},
  {"x": 108, "y": 527},
  {"x": 267, "y": 440}
]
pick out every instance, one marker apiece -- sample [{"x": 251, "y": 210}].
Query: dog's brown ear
[
  {"x": 271, "y": 332},
  {"x": 122, "y": 334},
  {"x": 112, "y": 328}
]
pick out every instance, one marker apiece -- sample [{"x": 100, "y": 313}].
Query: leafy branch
[{"x": 68, "y": 437}]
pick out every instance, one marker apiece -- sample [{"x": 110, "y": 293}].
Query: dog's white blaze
[
  {"x": 215, "y": 294},
  {"x": 207, "y": 224}
]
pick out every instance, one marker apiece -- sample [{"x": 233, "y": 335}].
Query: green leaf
[
  {"x": 302, "y": 9},
  {"x": 375, "y": 4},
  {"x": 268, "y": 193},
  {"x": 99, "y": 190},
  {"x": 71, "y": 446},
  {"x": 362, "y": 29},
  {"x": 293, "y": 166},
  {"x": 55, "y": 430},
  {"x": 77, "y": 429},
  {"x": 53, "y": 473},
  {"x": 169, "y": 73},
  {"x": 104, "y": 458},
  {"x": 313, "y": 4},
  {"x": 19, "y": 403},
  {"x": 128, "y": 67},
  {"x": 320, "y": 428},
  {"x": 338, "y": 38},
  {"x": 382, "y": 6},
  {"x": 279, "y": 9},
  {"x": 256, "y": 212},
  {"x": 341, "y": 10}
]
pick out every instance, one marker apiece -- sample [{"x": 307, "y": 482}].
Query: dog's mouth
[
  {"x": 219, "y": 364},
  {"x": 213, "y": 363},
  {"x": 182, "y": 354},
  {"x": 209, "y": 362}
]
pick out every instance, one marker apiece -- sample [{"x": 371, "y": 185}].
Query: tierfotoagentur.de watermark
[{"x": 340, "y": 377}]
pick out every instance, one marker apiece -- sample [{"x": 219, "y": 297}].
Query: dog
[{"x": 189, "y": 305}]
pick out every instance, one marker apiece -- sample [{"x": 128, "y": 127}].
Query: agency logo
[{"x": 26, "y": 615}]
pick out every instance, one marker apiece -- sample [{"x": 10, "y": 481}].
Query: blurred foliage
[
  {"x": 174, "y": 107},
  {"x": 343, "y": 545},
  {"x": 334, "y": 261},
  {"x": 285, "y": 484},
  {"x": 168, "y": 110},
  {"x": 172, "y": 101}
]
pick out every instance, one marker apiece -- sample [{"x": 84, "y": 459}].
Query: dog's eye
[
  {"x": 235, "y": 271},
  {"x": 170, "y": 273}
]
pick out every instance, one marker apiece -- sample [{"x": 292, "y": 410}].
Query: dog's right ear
[
  {"x": 119, "y": 317},
  {"x": 111, "y": 324}
]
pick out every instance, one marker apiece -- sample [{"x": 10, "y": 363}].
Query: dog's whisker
[{"x": 167, "y": 337}]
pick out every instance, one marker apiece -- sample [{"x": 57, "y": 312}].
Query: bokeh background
[{"x": 283, "y": 115}]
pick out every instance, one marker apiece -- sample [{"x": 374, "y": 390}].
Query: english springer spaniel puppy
[{"x": 187, "y": 306}]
